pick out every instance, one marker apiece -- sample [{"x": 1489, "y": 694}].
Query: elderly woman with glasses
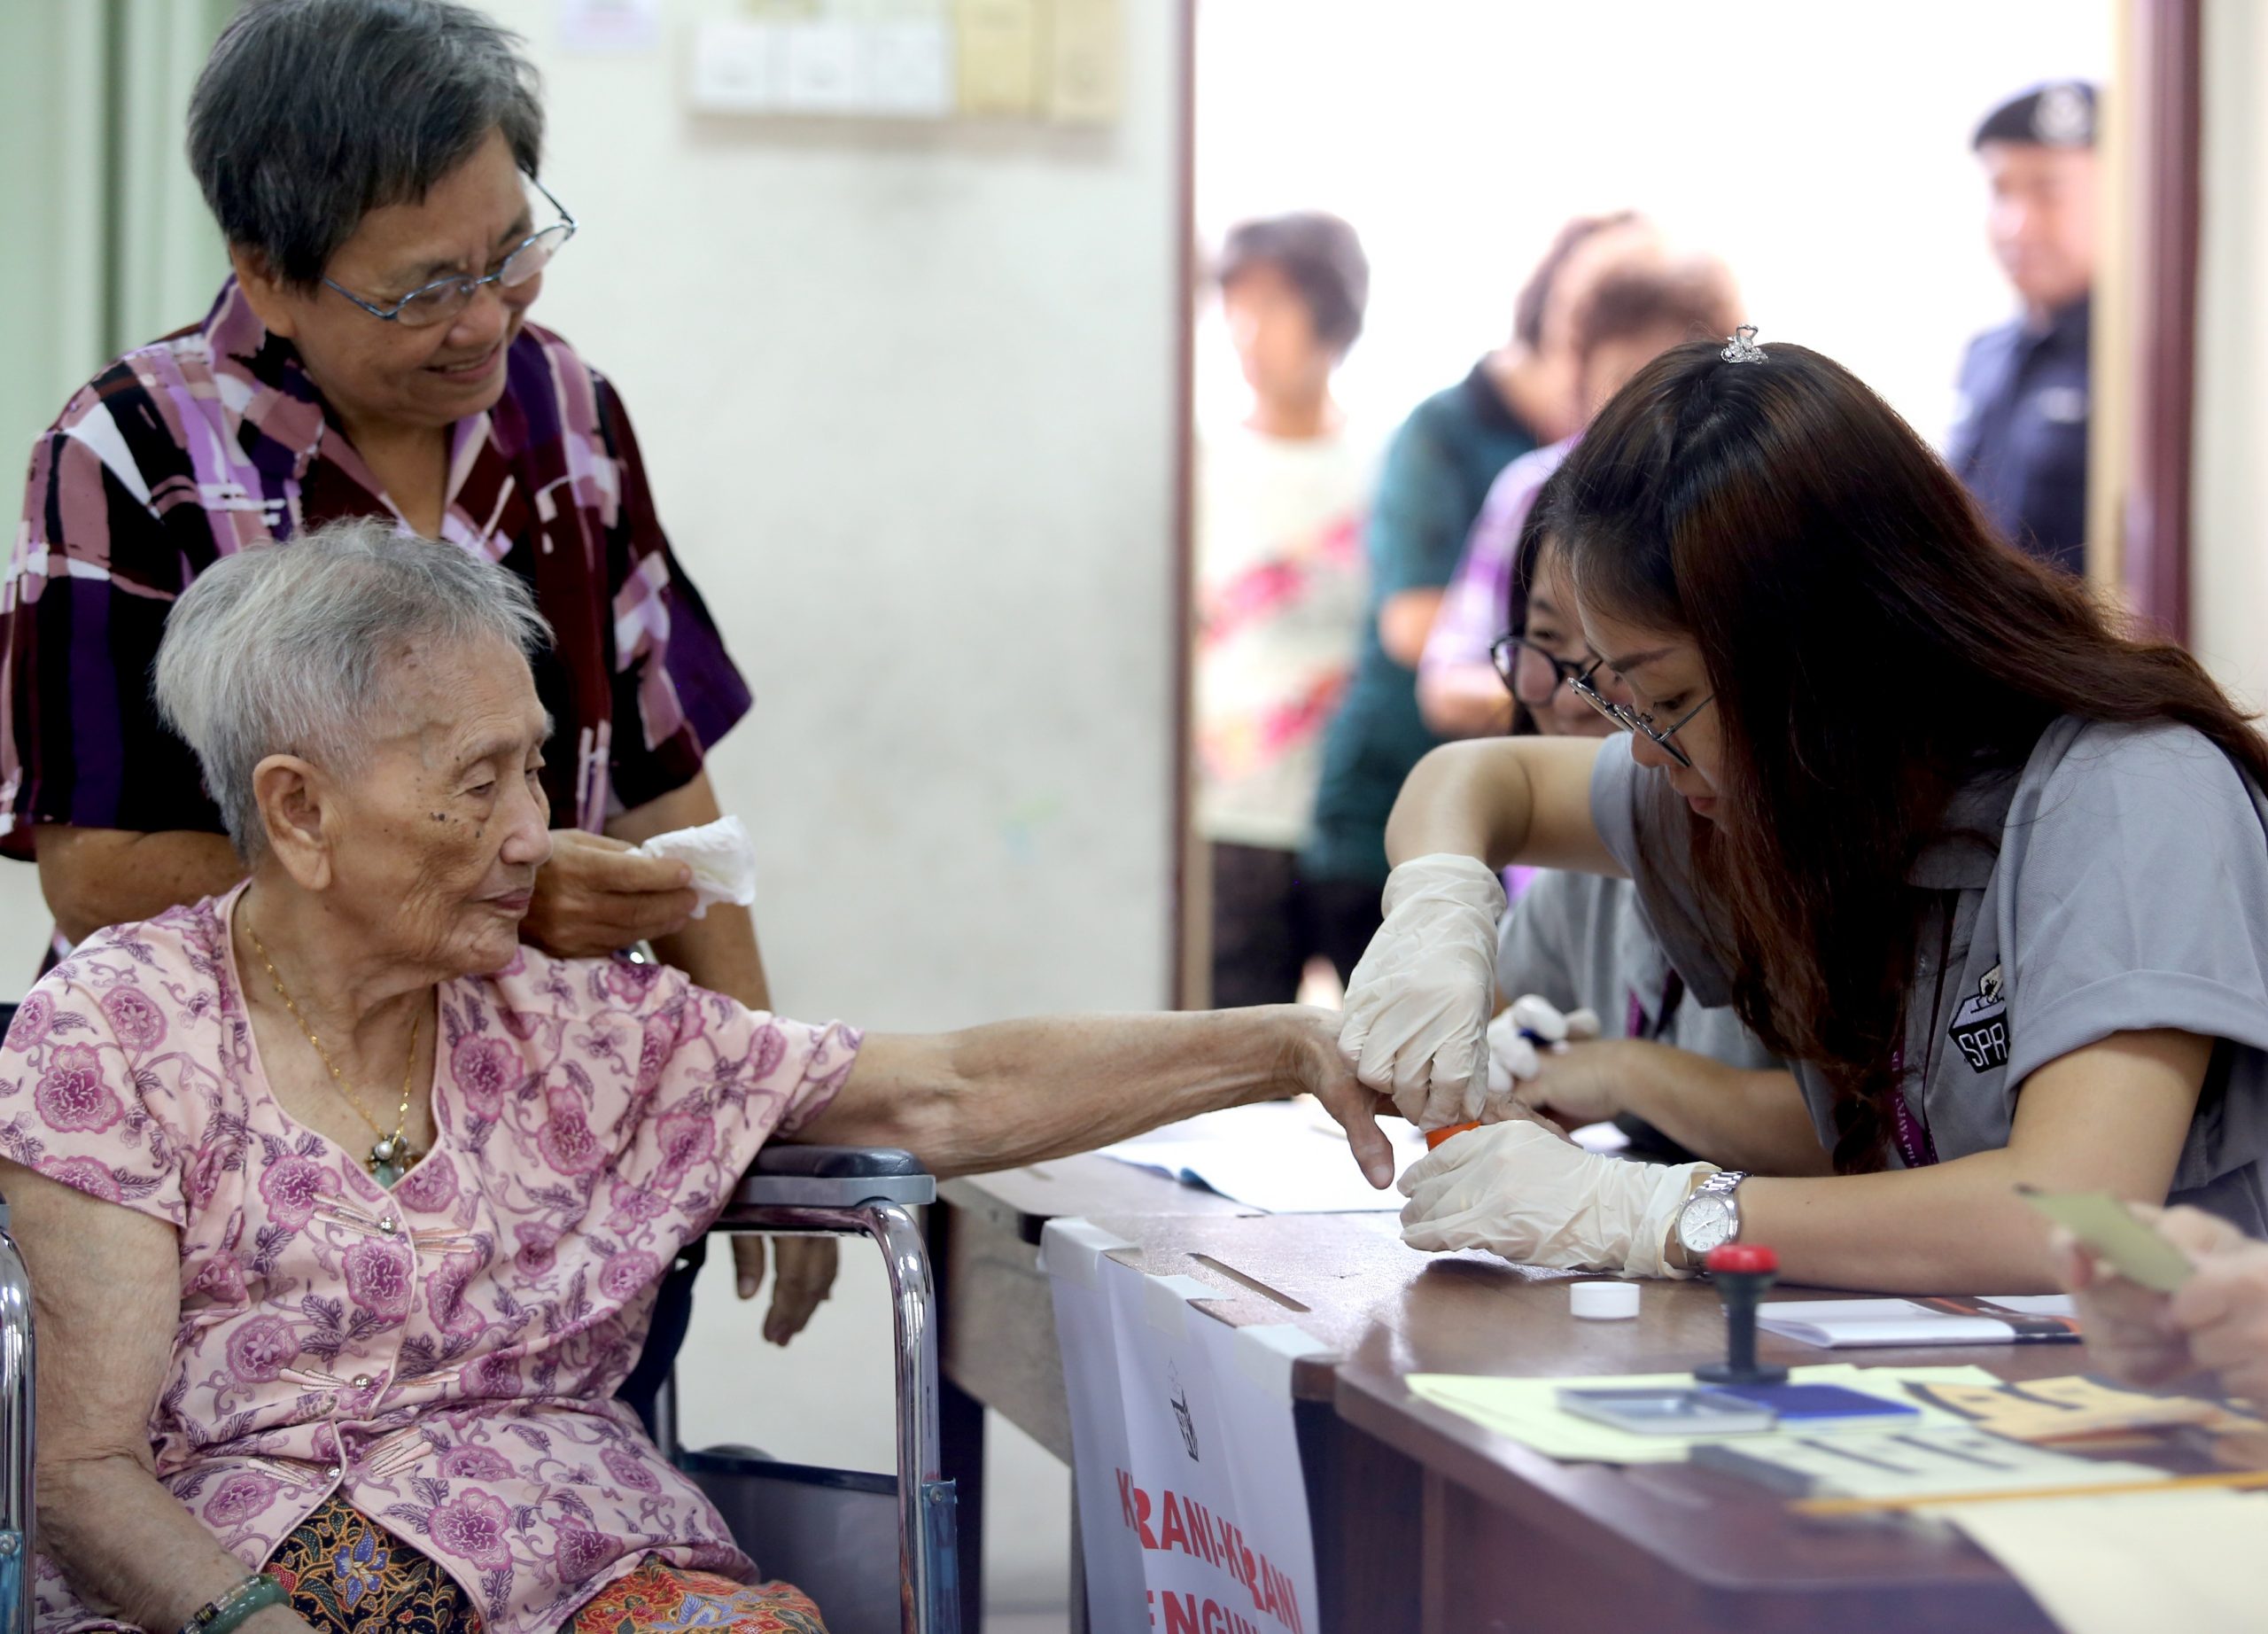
[
  {"x": 285, "y": 1387},
  {"x": 373, "y": 164},
  {"x": 1990, "y": 872}
]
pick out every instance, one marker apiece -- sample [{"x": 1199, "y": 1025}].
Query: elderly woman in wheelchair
[{"x": 345, "y": 1210}]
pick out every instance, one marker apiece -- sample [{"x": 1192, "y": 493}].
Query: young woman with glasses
[
  {"x": 1575, "y": 959},
  {"x": 1992, "y": 874}
]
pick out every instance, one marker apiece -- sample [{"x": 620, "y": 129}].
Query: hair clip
[{"x": 1741, "y": 346}]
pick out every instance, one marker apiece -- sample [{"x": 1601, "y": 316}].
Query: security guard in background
[{"x": 2020, "y": 439}]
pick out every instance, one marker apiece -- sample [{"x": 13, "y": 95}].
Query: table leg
[
  {"x": 1078, "y": 1595},
  {"x": 1363, "y": 1512},
  {"x": 960, "y": 1455},
  {"x": 960, "y": 1436}
]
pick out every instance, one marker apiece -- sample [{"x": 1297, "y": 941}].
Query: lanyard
[
  {"x": 1673, "y": 995},
  {"x": 1911, "y": 1133}
]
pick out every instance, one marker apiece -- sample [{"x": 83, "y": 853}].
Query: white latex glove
[
  {"x": 1520, "y": 1190},
  {"x": 1512, "y": 1055},
  {"x": 1416, "y": 1023}
]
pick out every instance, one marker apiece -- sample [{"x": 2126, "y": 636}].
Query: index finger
[{"x": 1356, "y": 1111}]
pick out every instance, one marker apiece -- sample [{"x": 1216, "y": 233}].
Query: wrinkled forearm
[
  {"x": 127, "y": 1544},
  {"x": 1021, "y": 1092}
]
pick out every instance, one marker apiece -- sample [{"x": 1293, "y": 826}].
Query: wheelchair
[{"x": 821, "y": 1529}]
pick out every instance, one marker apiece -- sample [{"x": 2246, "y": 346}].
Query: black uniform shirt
[{"x": 2021, "y": 440}]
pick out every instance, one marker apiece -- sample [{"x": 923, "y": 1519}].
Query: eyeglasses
[
  {"x": 1532, "y": 675},
  {"x": 1638, "y": 721},
  {"x": 442, "y": 299}
]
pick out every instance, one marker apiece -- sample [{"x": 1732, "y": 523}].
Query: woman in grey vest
[{"x": 1991, "y": 873}]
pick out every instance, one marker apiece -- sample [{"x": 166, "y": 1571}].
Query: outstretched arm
[{"x": 1018, "y": 1092}]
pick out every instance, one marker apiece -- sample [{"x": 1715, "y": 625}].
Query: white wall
[
  {"x": 906, "y": 397},
  {"x": 2229, "y": 555},
  {"x": 906, "y": 400}
]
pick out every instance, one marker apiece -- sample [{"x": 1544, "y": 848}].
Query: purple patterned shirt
[
  {"x": 215, "y": 440},
  {"x": 1474, "y": 607},
  {"x": 443, "y": 1357}
]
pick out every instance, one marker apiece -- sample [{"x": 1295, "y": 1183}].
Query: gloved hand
[
  {"x": 1415, "y": 1022},
  {"x": 1520, "y": 1190},
  {"x": 1512, "y": 1055}
]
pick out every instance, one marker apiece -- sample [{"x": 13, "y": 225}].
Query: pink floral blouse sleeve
[
  {"x": 93, "y": 1090},
  {"x": 662, "y": 1090}
]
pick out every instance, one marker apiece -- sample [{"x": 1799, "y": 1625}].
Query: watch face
[{"x": 1706, "y": 1223}]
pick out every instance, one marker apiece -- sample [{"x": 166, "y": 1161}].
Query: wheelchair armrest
[{"x": 834, "y": 1176}]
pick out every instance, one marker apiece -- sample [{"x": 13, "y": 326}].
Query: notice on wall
[
  {"x": 609, "y": 28},
  {"x": 1192, "y": 1509}
]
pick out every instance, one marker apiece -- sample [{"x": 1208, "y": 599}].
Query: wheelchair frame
[
  {"x": 871, "y": 1192},
  {"x": 831, "y": 1191}
]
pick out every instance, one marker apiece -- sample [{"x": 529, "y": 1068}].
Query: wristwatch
[{"x": 1710, "y": 1216}]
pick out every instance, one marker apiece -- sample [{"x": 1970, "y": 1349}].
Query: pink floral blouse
[{"x": 444, "y": 1357}]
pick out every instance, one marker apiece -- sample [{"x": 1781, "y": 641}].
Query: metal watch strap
[{"x": 1725, "y": 1184}]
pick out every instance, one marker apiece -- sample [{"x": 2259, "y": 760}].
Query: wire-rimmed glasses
[
  {"x": 442, "y": 299},
  {"x": 1638, "y": 721},
  {"x": 1531, "y": 674}
]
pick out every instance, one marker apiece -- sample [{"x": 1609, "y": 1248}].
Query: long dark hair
[
  {"x": 1527, "y": 557},
  {"x": 1873, "y": 645}
]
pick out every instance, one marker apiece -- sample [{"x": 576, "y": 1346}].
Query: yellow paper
[
  {"x": 2122, "y": 1562},
  {"x": 998, "y": 51},
  {"x": 1083, "y": 73},
  {"x": 1527, "y": 1410}
]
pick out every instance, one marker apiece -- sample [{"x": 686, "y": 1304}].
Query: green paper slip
[
  {"x": 1527, "y": 1410},
  {"x": 2104, "y": 1224}
]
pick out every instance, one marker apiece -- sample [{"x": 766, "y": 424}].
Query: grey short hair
[
  {"x": 283, "y": 648},
  {"x": 311, "y": 113}
]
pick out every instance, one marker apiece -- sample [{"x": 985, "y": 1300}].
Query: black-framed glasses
[
  {"x": 1532, "y": 675},
  {"x": 1638, "y": 721},
  {"x": 442, "y": 299}
]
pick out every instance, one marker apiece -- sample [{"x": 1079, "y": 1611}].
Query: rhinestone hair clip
[{"x": 1741, "y": 347}]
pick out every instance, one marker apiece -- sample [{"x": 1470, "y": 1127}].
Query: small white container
[{"x": 1603, "y": 1301}]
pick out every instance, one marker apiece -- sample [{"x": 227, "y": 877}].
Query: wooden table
[
  {"x": 1424, "y": 1519},
  {"x": 996, "y": 1318}
]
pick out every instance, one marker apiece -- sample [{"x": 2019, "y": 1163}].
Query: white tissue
[{"x": 721, "y": 856}]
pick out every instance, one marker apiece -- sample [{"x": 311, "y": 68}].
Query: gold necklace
[{"x": 390, "y": 1155}]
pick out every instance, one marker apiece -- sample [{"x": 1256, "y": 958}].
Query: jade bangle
[{"x": 255, "y": 1593}]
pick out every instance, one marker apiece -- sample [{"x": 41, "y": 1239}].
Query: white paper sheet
[
  {"x": 1280, "y": 1156},
  {"x": 1846, "y": 1324}
]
